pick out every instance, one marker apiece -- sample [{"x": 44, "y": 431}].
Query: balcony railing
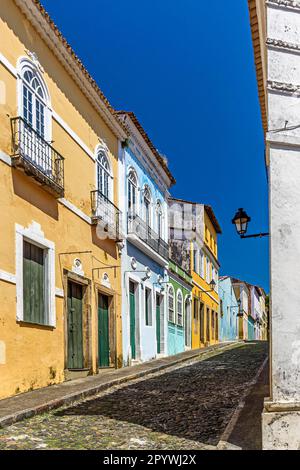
[
  {"x": 36, "y": 157},
  {"x": 106, "y": 215},
  {"x": 138, "y": 227}
]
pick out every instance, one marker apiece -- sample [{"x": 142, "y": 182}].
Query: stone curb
[
  {"x": 223, "y": 442},
  {"x": 94, "y": 390}
]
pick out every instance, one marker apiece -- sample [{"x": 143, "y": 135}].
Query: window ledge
[{"x": 33, "y": 324}]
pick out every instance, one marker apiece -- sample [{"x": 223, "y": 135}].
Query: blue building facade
[
  {"x": 228, "y": 330},
  {"x": 143, "y": 191}
]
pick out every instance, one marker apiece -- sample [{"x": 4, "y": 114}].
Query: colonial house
[
  {"x": 145, "y": 182},
  {"x": 193, "y": 234},
  {"x": 179, "y": 308},
  {"x": 60, "y": 276},
  {"x": 242, "y": 293},
  {"x": 275, "y": 26},
  {"x": 229, "y": 310}
]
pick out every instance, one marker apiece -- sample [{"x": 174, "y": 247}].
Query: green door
[
  {"x": 103, "y": 331},
  {"x": 158, "y": 323},
  {"x": 132, "y": 319},
  {"x": 75, "y": 337}
]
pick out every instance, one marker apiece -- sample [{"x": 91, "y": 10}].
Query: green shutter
[
  {"x": 103, "y": 331},
  {"x": 34, "y": 284}
]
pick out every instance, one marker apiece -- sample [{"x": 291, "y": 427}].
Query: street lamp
[
  {"x": 212, "y": 286},
  {"x": 241, "y": 220},
  {"x": 240, "y": 312}
]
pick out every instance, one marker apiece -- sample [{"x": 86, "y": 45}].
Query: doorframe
[
  {"x": 137, "y": 282},
  {"x": 85, "y": 283},
  {"x": 157, "y": 292},
  {"x": 112, "y": 326}
]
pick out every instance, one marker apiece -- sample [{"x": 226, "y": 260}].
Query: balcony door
[{"x": 33, "y": 128}]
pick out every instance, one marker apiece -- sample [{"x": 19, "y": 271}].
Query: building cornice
[
  {"x": 279, "y": 44},
  {"x": 283, "y": 87},
  {"x": 291, "y": 4},
  {"x": 255, "y": 24},
  {"x": 50, "y": 34},
  {"x": 156, "y": 169}
]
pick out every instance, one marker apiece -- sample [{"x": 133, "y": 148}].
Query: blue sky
[{"x": 185, "y": 67}]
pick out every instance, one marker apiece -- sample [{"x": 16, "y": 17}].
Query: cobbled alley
[{"x": 186, "y": 407}]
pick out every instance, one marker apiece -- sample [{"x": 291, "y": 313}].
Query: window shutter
[{"x": 34, "y": 284}]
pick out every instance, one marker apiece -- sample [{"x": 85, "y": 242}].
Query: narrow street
[{"x": 187, "y": 407}]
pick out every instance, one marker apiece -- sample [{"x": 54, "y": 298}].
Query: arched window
[
  {"x": 147, "y": 205},
  {"x": 34, "y": 99},
  {"x": 179, "y": 308},
  {"x": 103, "y": 174},
  {"x": 159, "y": 216},
  {"x": 132, "y": 193},
  {"x": 171, "y": 314}
]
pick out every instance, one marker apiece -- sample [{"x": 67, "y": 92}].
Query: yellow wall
[
  {"x": 33, "y": 356},
  {"x": 210, "y": 300}
]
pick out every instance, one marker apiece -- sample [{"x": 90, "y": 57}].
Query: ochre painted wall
[{"x": 34, "y": 356}]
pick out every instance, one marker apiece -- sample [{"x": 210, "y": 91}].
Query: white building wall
[{"x": 281, "y": 417}]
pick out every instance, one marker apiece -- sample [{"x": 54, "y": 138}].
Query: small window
[
  {"x": 147, "y": 205},
  {"x": 159, "y": 219},
  {"x": 148, "y": 307},
  {"x": 34, "y": 302},
  {"x": 171, "y": 305},
  {"x": 179, "y": 308},
  {"x": 195, "y": 259}
]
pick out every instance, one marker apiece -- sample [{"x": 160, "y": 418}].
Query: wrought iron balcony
[
  {"x": 36, "y": 157},
  {"x": 106, "y": 215},
  {"x": 138, "y": 227}
]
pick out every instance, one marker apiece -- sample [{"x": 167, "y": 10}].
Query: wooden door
[
  {"x": 103, "y": 331},
  {"x": 74, "y": 321},
  {"x": 132, "y": 319},
  {"x": 158, "y": 302}
]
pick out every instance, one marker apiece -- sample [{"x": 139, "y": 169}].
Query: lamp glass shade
[{"x": 240, "y": 221}]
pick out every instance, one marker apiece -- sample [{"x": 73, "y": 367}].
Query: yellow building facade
[
  {"x": 60, "y": 285},
  {"x": 204, "y": 269}
]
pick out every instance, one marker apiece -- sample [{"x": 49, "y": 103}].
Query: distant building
[
  {"x": 229, "y": 310},
  {"x": 194, "y": 231}
]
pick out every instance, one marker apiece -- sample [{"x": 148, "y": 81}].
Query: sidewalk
[{"x": 38, "y": 401}]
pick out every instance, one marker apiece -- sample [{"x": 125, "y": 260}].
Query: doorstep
[{"x": 28, "y": 404}]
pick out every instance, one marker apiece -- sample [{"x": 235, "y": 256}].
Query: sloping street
[{"x": 186, "y": 407}]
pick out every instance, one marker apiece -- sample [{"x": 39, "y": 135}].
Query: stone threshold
[{"x": 38, "y": 401}]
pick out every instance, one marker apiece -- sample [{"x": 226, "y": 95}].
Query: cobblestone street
[{"x": 187, "y": 407}]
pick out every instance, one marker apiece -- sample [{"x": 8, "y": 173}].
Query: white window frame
[
  {"x": 24, "y": 64},
  {"x": 147, "y": 189},
  {"x": 104, "y": 151},
  {"x": 159, "y": 213},
  {"x": 170, "y": 287},
  {"x": 201, "y": 261},
  {"x": 178, "y": 294},
  {"x": 131, "y": 171},
  {"x": 33, "y": 234}
]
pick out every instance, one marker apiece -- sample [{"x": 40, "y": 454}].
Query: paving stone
[{"x": 187, "y": 407}]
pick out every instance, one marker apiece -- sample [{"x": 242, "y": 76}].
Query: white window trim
[
  {"x": 170, "y": 286},
  {"x": 149, "y": 286},
  {"x": 26, "y": 62},
  {"x": 33, "y": 234},
  {"x": 104, "y": 149},
  {"x": 179, "y": 291},
  {"x": 137, "y": 202}
]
